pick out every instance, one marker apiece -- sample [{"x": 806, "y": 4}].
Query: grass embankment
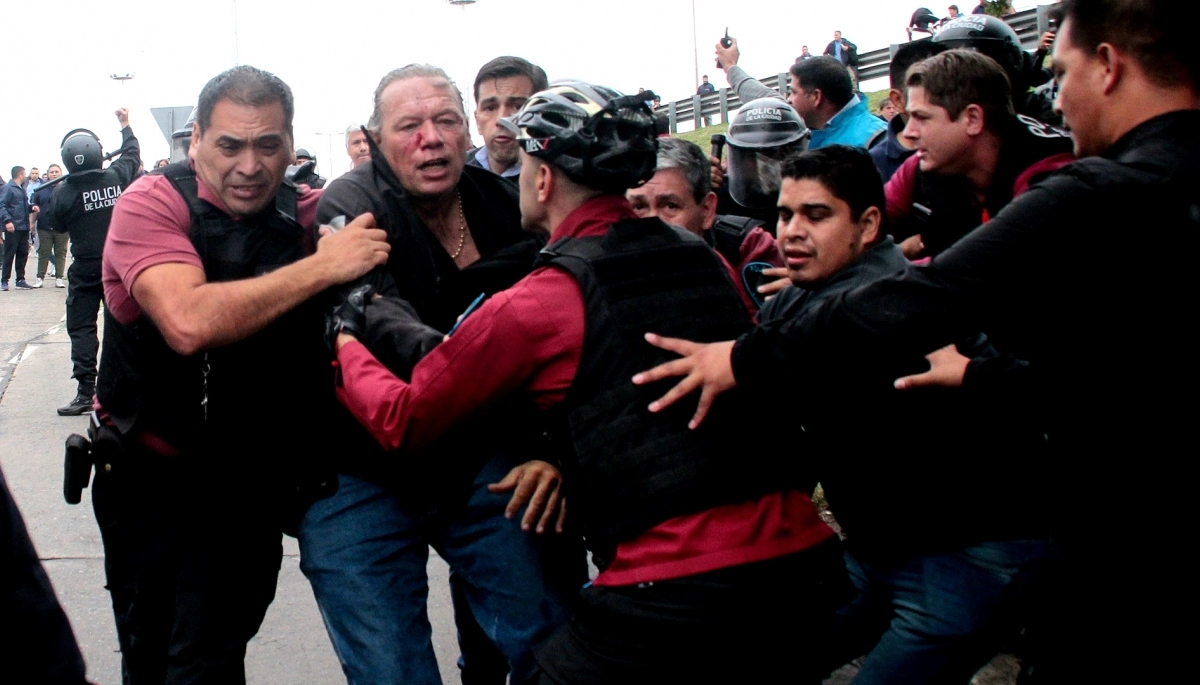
[{"x": 700, "y": 136}]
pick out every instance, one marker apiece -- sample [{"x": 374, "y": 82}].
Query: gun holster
[{"x": 101, "y": 446}]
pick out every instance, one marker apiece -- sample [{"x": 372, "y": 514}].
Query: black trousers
[
  {"x": 84, "y": 295},
  {"x": 191, "y": 562},
  {"x": 16, "y": 248},
  {"x": 763, "y": 622}
]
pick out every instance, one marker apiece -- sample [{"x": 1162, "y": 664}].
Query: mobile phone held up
[{"x": 725, "y": 42}]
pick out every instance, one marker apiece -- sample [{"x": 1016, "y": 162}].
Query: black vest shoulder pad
[{"x": 728, "y": 233}]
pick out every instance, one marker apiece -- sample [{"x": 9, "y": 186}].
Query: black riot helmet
[
  {"x": 181, "y": 139},
  {"x": 81, "y": 151},
  {"x": 302, "y": 153},
  {"x": 600, "y": 138},
  {"x": 989, "y": 35},
  {"x": 923, "y": 19},
  {"x": 762, "y": 134}
]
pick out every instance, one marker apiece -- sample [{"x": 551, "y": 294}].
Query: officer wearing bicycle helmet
[
  {"x": 82, "y": 205},
  {"x": 701, "y": 542}
]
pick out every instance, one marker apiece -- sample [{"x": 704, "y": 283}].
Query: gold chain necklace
[{"x": 462, "y": 225}]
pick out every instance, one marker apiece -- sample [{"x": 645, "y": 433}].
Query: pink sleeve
[
  {"x": 760, "y": 246},
  {"x": 527, "y": 338},
  {"x": 899, "y": 189},
  {"x": 150, "y": 226}
]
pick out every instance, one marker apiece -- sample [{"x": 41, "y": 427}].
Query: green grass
[{"x": 701, "y": 136}]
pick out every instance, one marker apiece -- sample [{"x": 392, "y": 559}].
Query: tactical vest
[
  {"x": 629, "y": 469},
  {"x": 254, "y": 394},
  {"x": 727, "y": 235}
]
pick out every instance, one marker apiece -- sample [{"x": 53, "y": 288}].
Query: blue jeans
[
  {"x": 938, "y": 618},
  {"x": 366, "y": 560}
]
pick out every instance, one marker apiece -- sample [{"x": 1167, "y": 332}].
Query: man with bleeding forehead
[{"x": 455, "y": 232}]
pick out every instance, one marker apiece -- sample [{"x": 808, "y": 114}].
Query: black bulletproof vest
[
  {"x": 728, "y": 233},
  {"x": 261, "y": 390},
  {"x": 629, "y": 469}
]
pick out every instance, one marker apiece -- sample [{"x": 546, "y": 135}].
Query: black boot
[{"x": 82, "y": 404}]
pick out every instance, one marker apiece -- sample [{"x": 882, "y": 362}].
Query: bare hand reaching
[
  {"x": 353, "y": 251},
  {"x": 704, "y": 366},
  {"x": 947, "y": 368},
  {"x": 539, "y": 485}
]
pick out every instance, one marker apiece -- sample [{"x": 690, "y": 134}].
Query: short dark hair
[
  {"x": 953, "y": 7},
  {"x": 508, "y": 65},
  {"x": 16, "y": 171},
  {"x": 53, "y": 166},
  {"x": 848, "y": 172},
  {"x": 247, "y": 86},
  {"x": 907, "y": 55},
  {"x": 955, "y": 79},
  {"x": 1150, "y": 30},
  {"x": 826, "y": 74}
]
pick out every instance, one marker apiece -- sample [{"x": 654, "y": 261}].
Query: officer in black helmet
[
  {"x": 305, "y": 170},
  {"x": 993, "y": 37},
  {"x": 82, "y": 206},
  {"x": 762, "y": 134}
]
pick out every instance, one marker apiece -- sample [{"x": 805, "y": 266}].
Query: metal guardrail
[{"x": 1029, "y": 25}]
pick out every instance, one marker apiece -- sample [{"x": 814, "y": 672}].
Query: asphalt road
[{"x": 35, "y": 378}]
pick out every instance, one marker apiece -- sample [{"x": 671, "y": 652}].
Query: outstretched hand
[
  {"x": 704, "y": 366},
  {"x": 540, "y": 485},
  {"x": 947, "y": 368}
]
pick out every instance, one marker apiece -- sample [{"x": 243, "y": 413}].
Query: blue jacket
[
  {"x": 889, "y": 154},
  {"x": 854, "y": 126},
  {"x": 14, "y": 207}
]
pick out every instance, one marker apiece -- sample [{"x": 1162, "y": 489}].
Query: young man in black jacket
[{"x": 1103, "y": 360}]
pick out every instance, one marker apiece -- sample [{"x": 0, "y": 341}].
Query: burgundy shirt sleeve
[
  {"x": 899, "y": 189},
  {"x": 760, "y": 246},
  {"x": 150, "y": 226},
  {"x": 527, "y": 338},
  {"x": 1040, "y": 169}
]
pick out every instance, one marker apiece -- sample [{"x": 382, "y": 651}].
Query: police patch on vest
[{"x": 100, "y": 198}]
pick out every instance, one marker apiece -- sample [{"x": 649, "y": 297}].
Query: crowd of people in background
[{"x": 844, "y": 389}]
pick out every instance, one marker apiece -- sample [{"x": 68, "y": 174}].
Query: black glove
[
  {"x": 397, "y": 337},
  {"x": 350, "y": 316}
]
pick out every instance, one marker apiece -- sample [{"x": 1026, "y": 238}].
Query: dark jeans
[
  {"x": 191, "y": 563},
  {"x": 764, "y": 622},
  {"x": 84, "y": 294},
  {"x": 16, "y": 248},
  {"x": 479, "y": 662},
  {"x": 938, "y": 618},
  {"x": 359, "y": 543}
]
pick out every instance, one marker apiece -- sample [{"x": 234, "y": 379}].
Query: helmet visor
[{"x": 754, "y": 175}]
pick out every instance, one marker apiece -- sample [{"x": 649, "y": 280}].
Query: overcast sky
[{"x": 333, "y": 54}]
